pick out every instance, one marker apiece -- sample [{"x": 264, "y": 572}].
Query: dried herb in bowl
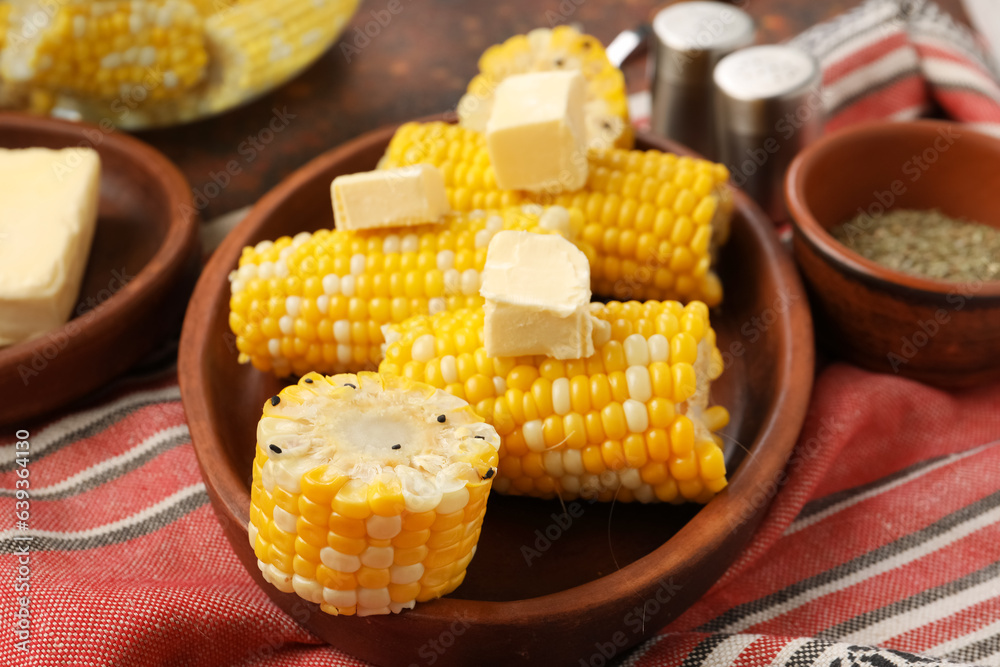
[{"x": 925, "y": 243}]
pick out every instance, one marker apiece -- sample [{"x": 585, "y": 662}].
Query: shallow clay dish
[
  {"x": 588, "y": 579},
  {"x": 142, "y": 264},
  {"x": 934, "y": 331}
]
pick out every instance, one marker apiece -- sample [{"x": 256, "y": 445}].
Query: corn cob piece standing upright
[
  {"x": 368, "y": 492},
  {"x": 561, "y": 48},
  {"x": 318, "y": 301},
  {"x": 632, "y": 422},
  {"x": 654, "y": 219}
]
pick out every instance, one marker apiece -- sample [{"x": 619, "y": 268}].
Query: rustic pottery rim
[
  {"x": 842, "y": 257},
  {"x": 159, "y": 273}
]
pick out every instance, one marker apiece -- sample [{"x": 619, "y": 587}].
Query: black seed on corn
[
  {"x": 480, "y": 437},
  {"x": 490, "y": 473},
  {"x": 309, "y": 381},
  {"x": 397, "y": 446},
  {"x": 441, "y": 419},
  {"x": 275, "y": 400},
  {"x": 348, "y": 384},
  {"x": 274, "y": 448}
]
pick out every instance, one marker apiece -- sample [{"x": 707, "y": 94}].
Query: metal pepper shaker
[
  {"x": 769, "y": 105},
  {"x": 690, "y": 38}
]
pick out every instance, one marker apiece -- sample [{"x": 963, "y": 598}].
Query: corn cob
[
  {"x": 631, "y": 422},
  {"x": 654, "y": 219},
  {"x": 4, "y": 19},
  {"x": 368, "y": 492},
  {"x": 104, "y": 49},
  {"x": 165, "y": 61},
  {"x": 256, "y": 45},
  {"x": 562, "y": 48},
  {"x": 318, "y": 301}
]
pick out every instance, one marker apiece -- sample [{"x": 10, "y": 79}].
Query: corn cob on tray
[
  {"x": 631, "y": 422},
  {"x": 144, "y": 63},
  {"x": 655, "y": 220},
  {"x": 318, "y": 301}
]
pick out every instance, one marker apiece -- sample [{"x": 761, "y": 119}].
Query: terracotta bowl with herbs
[{"x": 897, "y": 233}]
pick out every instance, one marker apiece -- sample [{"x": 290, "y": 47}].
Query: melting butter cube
[
  {"x": 536, "y": 136},
  {"x": 537, "y": 291},
  {"x": 406, "y": 196},
  {"x": 49, "y": 199}
]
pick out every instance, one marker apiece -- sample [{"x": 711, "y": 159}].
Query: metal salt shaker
[
  {"x": 769, "y": 105},
  {"x": 690, "y": 38}
]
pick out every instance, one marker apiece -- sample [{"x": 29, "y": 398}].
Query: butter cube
[
  {"x": 537, "y": 291},
  {"x": 536, "y": 135},
  {"x": 49, "y": 204},
  {"x": 406, "y": 196}
]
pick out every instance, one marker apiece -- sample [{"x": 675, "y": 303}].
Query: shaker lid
[
  {"x": 766, "y": 72},
  {"x": 703, "y": 27}
]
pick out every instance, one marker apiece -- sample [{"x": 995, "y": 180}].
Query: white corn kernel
[
  {"x": 423, "y": 348},
  {"x": 636, "y": 416},
  {"x": 573, "y": 462},
  {"x": 561, "y": 402},
  {"x": 533, "y": 435},
  {"x": 640, "y": 386},
  {"x": 284, "y": 520},
  {"x": 384, "y": 527},
  {"x": 636, "y": 350},
  {"x": 338, "y": 561},
  {"x": 659, "y": 348}
]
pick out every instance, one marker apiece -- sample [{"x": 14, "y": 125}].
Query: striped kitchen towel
[
  {"x": 881, "y": 549},
  {"x": 897, "y": 59}
]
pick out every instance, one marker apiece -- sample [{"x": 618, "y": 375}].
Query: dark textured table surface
[{"x": 417, "y": 65}]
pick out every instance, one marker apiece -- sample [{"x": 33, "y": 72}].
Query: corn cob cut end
[
  {"x": 631, "y": 423},
  {"x": 561, "y": 48},
  {"x": 368, "y": 491}
]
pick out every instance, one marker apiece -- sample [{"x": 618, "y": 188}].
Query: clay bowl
[
  {"x": 937, "y": 332},
  {"x": 142, "y": 264},
  {"x": 541, "y": 590}
]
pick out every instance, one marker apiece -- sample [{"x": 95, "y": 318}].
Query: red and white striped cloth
[
  {"x": 898, "y": 59},
  {"x": 882, "y": 549},
  {"x": 886, "y": 534},
  {"x": 895, "y": 60}
]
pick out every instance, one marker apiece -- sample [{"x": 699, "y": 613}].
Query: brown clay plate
[
  {"x": 545, "y": 587},
  {"x": 142, "y": 264}
]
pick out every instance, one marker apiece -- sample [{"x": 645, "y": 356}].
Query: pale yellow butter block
[
  {"x": 536, "y": 135},
  {"x": 48, "y": 212},
  {"x": 411, "y": 195},
  {"x": 537, "y": 291}
]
